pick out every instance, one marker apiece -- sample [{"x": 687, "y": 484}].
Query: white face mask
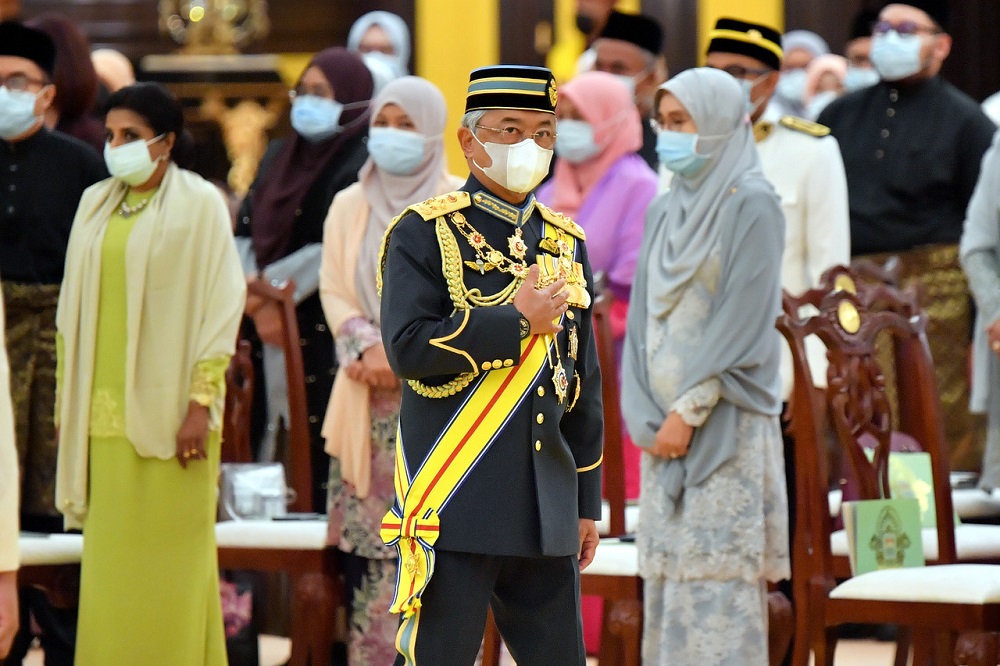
[
  {"x": 519, "y": 167},
  {"x": 629, "y": 82},
  {"x": 131, "y": 162}
]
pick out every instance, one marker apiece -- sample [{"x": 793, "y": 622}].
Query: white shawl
[{"x": 185, "y": 300}]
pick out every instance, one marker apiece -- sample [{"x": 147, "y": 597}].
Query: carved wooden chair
[
  {"x": 614, "y": 573},
  {"x": 934, "y": 602},
  {"x": 239, "y": 402},
  {"x": 297, "y": 547}
]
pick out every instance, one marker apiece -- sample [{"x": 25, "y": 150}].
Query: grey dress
[
  {"x": 701, "y": 343},
  {"x": 705, "y": 562}
]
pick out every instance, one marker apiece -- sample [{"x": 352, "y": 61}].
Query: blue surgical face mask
[
  {"x": 678, "y": 151},
  {"x": 819, "y": 102},
  {"x": 396, "y": 151},
  {"x": 860, "y": 77},
  {"x": 792, "y": 86},
  {"x": 896, "y": 56},
  {"x": 747, "y": 86},
  {"x": 316, "y": 118},
  {"x": 17, "y": 112},
  {"x": 575, "y": 141}
]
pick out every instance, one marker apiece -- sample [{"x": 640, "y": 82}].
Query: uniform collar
[{"x": 502, "y": 210}]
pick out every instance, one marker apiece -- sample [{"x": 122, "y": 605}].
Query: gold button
[
  {"x": 569, "y": 313},
  {"x": 538, "y": 445},
  {"x": 540, "y": 419},
  {"x": 497, "y": 364},
  {"x": 508, "y": 363},
  {"x": 541, "y": 391},
  {"x": 487, "y": 365}
]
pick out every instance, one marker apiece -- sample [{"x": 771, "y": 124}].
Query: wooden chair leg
[
  {"x": 491, "y": 642},
  {"x": 825, "y": 646},
  {"x": 314, "y": 608},
  {"x": 621, "y": 633},
  {"x": 944, "y": 648},
  {"x": 904, "y": 639},
  {"x": 923, "y": 648}
]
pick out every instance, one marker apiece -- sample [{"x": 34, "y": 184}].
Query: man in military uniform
[{"x": 486, "y": 314}]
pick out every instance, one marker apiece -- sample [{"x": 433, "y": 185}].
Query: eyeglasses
[
  {"x": 672, "y": 125},
  {"x": 905, "y": 28},
  {"x": 19, "y": 82},
  {"x": 315, "y": 91},
  {"x": 545, "y": 138},
  {"x": 741, "y": 72}
]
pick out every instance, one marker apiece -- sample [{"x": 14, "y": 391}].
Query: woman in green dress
[{"x": 148, "y": 315}]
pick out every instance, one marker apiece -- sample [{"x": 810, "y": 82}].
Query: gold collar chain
[{"x": 488, "y": 257}]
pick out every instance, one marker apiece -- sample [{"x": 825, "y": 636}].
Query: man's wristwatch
[{"x": 525, "y": 327}]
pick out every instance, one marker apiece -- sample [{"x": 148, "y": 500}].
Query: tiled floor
[{"x": 274, "y": 651}]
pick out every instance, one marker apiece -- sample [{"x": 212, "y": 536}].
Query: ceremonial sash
[{"x": 412, "y": 525}]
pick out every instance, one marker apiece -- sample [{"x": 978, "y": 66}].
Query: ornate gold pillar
[{"x": 452, "y": 38}]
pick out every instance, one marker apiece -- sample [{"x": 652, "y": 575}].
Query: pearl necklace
[{"x": 127, "y": 211}]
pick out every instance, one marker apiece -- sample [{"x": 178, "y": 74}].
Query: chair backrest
[
  {"x": 850, "y": 313},
  {"x": 299, "y": 444},
  {"x": 614, "y": 464},
  {"x": 239, "y": 402}
]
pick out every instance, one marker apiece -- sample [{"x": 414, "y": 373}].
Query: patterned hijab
[{"x": 300, "y": 162}]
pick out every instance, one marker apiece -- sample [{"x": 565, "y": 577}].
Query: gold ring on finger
[{"x": 995, "y": 345}]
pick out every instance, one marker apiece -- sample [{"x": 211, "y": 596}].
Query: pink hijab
[{"x": 607, "y": 105}]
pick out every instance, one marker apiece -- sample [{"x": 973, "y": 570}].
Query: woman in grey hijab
[
  {"x": 700, "y": 387},
  {"x": 980, "y": 252}
]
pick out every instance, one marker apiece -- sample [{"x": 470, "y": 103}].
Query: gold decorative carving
[
  {"x": 213, "y": 27},
  {"x": 244, "y": 131}
]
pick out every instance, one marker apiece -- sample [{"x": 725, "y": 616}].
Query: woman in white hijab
[
  {"x": 383, "y": 41},
  {"x": 700, "y": 384},
  {"x": 406, "y": 165}
]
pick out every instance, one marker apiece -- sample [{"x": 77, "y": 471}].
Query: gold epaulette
[
  {"x": 430, "y": 209},
  {"x": 435, "y": 207},
  {"x": 804, "y": 126},
  {"x": 561, "y": 221}
]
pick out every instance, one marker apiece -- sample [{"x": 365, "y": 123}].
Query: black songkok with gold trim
[
  {"x": 519, "y": 87},
  {"x": 750, "y": 39}
]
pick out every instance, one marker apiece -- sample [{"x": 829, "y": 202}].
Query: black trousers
[{"x": 536, "y": 603}]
